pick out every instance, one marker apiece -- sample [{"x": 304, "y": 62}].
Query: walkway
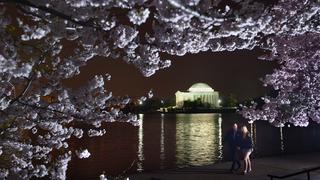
[{"x": 261, "y": 167}]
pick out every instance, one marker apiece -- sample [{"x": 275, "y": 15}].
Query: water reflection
[
  {"x": 140, "y": 145},
  {"x": 198, "y": 139},
  {"x": 162, "y": 137},
  {"x": 253, "y": 130},
  {"x": 178, "y": 140},
  {"x": 220, "y": 147},
  {"x": 281, "y": 140}
]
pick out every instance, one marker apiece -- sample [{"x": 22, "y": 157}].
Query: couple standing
[{"x": 240, "y": 141}]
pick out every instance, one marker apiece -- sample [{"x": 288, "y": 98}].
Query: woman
[{"x": 246, "y": 146}]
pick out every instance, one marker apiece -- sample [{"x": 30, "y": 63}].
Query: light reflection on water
[
  {"x": 162, "y": 146},
  {"x": 220, "y": 147},
  {"x": 281, "y": 140},
  {"x": 140, "y": 145},
  {"x": 178, "y": 140},
  {"x": 197, "y": 139}
]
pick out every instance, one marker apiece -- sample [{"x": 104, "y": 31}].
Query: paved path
[{"x": 261, "y": 167}]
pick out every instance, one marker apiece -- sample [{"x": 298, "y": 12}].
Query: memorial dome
[{"x": 200, "y": 87}]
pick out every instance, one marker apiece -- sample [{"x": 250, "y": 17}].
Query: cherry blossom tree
[
  {"x": 296, "y": 82},
  {"x": 38, "y": 112}
]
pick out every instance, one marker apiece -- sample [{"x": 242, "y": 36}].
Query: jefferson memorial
[{"x": 200, "y": 91}]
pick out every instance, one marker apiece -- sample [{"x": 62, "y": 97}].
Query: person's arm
[{"x": 238, "y": 140}]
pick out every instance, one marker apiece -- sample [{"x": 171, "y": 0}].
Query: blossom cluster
[
  {"x": 38, "y": 113},
  {"x": 296, "y": 83}
]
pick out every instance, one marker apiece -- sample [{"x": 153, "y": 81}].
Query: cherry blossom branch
[
  {"x": 53, "y": 12},
  {"x": 30, "y": 80}
]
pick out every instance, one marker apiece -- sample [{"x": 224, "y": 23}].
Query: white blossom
[
  {"x": 93, "y": 132},
  {"x": 150, "y": 94},
  {"x": 4, "y": 173},
  {"x": 139, "y": 16},
  {"x": 103, "y": 176},
  {"x": 36, "y": 59},
  {"x": 82, "y": 154}
]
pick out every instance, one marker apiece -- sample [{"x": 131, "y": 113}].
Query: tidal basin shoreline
[
  {"x": 172, "y": 141},
  {"x": 275, "y": 165}
]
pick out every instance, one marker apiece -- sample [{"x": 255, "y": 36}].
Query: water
[
  {"x": 198, "y": 139},
  {"x": 164, "y": 141}
]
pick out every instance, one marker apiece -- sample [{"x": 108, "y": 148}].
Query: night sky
[{"x": 227, "y": 72}]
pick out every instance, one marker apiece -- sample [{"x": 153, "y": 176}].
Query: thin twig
[
  {"x": 30, "y": 80},
  {"x": 54, "y": 12}
]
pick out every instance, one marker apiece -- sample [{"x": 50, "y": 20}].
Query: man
[{"x": 232, "y": 138}]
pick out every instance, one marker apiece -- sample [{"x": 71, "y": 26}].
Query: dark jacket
[
  {"x": 246, "y": 142},
  {"x": 232, "y": 138}
]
